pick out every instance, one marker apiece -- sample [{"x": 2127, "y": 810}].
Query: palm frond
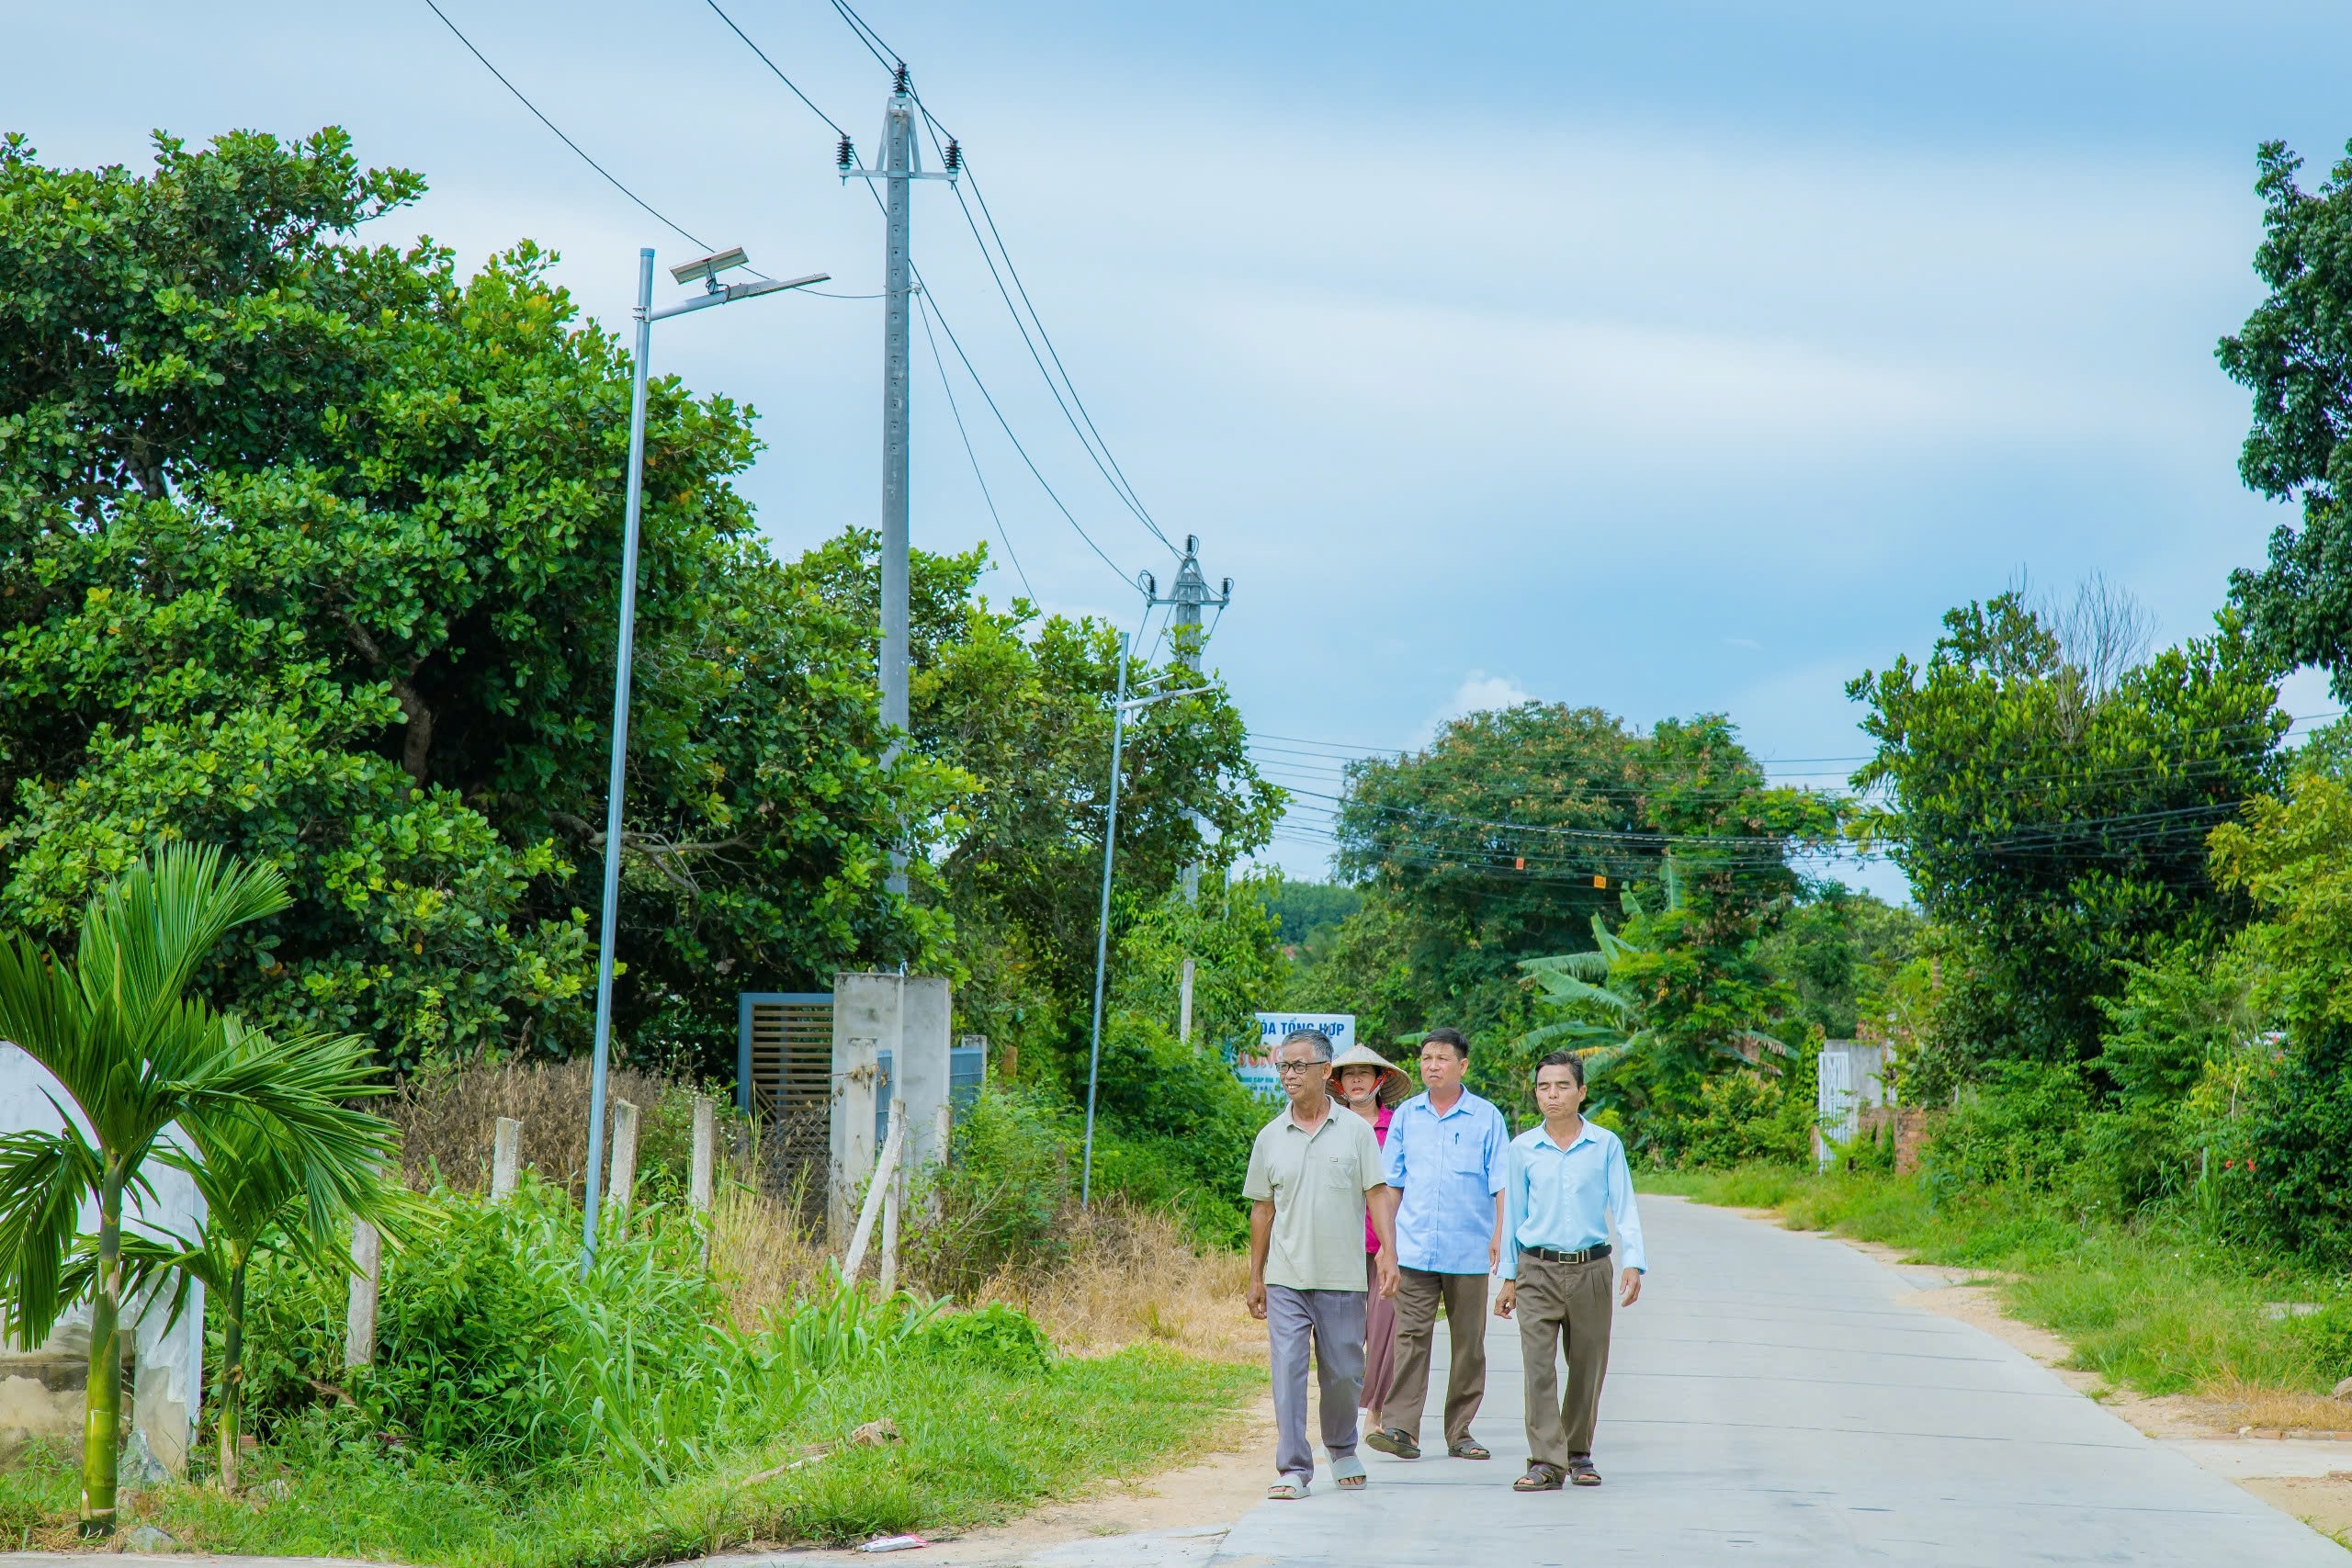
[
  {"x": 44, "y": 1178},
  {"x": 1582, "y": 965}
]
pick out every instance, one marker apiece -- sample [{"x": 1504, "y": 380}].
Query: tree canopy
[{"x": 2294, "y": 353}]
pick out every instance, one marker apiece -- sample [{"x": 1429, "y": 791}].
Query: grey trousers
[{"x": 1332, "y": 1321}]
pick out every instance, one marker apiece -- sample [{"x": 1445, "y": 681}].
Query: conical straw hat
[{"x": 1394, "y": 1083}]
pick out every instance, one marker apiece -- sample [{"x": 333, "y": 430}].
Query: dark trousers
[
  {"x": 1417, "y": 1295},
  {"x": 1563, "y": 1307}
]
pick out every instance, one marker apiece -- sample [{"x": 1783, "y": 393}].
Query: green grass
[
  {"x": 2152, "y": 1303},
  {"x": 980, "y": 1446}
]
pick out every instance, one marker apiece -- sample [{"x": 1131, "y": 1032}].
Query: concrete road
[{"x": 1770, "y": 1400}]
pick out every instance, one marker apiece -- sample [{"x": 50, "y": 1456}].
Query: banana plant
[
  {"x": 135, "y": 1052},
  {"x": 1604, "y": 981}
]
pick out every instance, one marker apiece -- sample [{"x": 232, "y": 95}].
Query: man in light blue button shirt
[
  {"x": 1567, "y": 1185},
  {"x": 1445, "y": 1153}
]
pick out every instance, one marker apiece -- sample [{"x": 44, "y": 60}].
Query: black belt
[{"x": 1554, "y": 1255}]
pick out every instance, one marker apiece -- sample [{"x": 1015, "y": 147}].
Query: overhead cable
[{"x": 610, "y": 178}]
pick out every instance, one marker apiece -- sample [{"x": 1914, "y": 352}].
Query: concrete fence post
[
  {"x": 359, "y": 1327},
  {"x": 506, "y": 1159},
  {"x": 623, "y": 1184},
  {"x": 893, "y": 1202},
  {"x": 703, "y": 1170}
]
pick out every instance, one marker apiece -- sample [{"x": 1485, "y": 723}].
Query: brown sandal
[
  {"x": 1468, "y": 1448},
  {"x": 1540, "y": 1477},
  {"x": 1580, "y": 1472}
]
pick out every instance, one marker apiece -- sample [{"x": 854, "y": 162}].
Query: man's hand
[
  {"x": 1629, "y": 1287},
  {"x": 1494, "y": 1252},
  {"x": 1257, "y": 1298},
  {"x": 1507, "y": 1298},
  {"x": 1384, "y": 1269}
]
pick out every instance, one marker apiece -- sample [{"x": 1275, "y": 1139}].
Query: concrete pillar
[
  {"x": 701, "y": 1169},
  {"x": 623, "y": 1185},
  {"x": 359, "y": 1325},
  {"x": 909, "y": 1016},
  {"x": 506, "y": 1159}
]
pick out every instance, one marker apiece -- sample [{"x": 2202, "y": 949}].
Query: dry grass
[
  {"x": 2242, "y": 1403},
  {"x": 1132, "y": 1276},
  {"x": 1125, "y": 1276},
  {"x": 447, "y": 1118},
  {"x": 1119, "y": 1275}
]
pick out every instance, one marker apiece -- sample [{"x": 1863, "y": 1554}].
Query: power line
[
  {"x": 977, "y": 476},
  {"x": 659, "y": 215},
  {"x": 881, "y": 52},
  {"x": 780, "y": 76},
  {"x": 1007, "y": 426},
  {"x": 1089, "y": 437}
]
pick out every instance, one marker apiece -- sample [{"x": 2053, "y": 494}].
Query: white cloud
[{"x": 1479, "y": 692}]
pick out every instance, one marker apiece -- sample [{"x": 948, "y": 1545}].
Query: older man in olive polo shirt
[{"x": 1314, "y": 1177}]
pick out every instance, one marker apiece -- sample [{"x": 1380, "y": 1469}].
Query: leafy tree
[
  {"x": 135, "y": 1053},
  {"x": 1305, "y": 911},
  {"x": 1515, "y": 828},
  {"x": 308, "y": 549},
  {"x": 1657, "y": 1010},
  {"x": 1017, "y": 708},
  {"x": 2052, "y": 808},
  {"x": 1838, "y": 949},
  {"x": 2295, "y": 355}
]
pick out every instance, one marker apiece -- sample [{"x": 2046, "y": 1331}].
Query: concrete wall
[
  {"x": 907, "y": 1015},
  {"x": 46, "y": 1381}
]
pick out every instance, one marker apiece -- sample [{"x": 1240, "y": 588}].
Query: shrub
[
  {"x": 493, "y": 1349},
  {"x": 2023, "y": 1124},
  {"x": 997, "y": 1336},
  {"x": 1742, "y": 1116},
  {"x": 2298, "y": 1134}
]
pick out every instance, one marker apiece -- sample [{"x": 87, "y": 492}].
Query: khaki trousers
[
  {"x": 1417, "y": 1295},
  {"x": 1563, "y": 1306}
]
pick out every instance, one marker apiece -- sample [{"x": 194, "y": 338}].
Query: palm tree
[
  {"x": 135, "y": 1053},
  {"x": 257, "y": 1197}
]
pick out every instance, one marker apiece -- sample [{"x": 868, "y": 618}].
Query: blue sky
[{"x": 1668, "y": 358}]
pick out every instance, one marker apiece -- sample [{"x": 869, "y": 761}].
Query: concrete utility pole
[
  {"x": 1188, "y": 598},
  {"x": 901, "y": 162}
]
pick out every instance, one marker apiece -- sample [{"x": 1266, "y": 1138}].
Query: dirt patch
[{"x": 2325, "y": 1503}]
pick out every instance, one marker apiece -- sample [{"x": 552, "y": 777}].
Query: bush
[
  {"x": 2024, "y": 1123},
  {"x": 2300, "y": 1137},
  {"x": 491, "y": 1349},
  {"x": 997, "y": 1336},
  {"x": 1742, "y": 1116}
]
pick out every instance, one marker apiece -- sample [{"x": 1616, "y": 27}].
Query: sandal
[
  {"x": 1540, "y": 1477},
  {"x": 1467, "y": 1447},
  {"x": 1394, "y": 1441},
  {"x": 1349, "y": 1473},
  {"x": 1286, "y": 1491},
  {"x": 1580, "y": 1472}
]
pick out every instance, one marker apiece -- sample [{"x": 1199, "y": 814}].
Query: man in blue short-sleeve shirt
[{"x": 1446, "y": 1155}]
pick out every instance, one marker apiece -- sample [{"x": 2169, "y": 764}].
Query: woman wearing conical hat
[{"x": 1372, "y": 1086}]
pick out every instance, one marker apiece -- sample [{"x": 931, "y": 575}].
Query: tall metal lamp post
[
  {"x": 705, "y": 271},
  {"x": 1121, "y": 707}
]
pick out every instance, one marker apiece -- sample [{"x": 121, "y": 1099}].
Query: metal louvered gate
[{"x": 784, "y": 1075}]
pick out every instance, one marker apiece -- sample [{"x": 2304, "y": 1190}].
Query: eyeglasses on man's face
[{"x": 1288, "y": 1069}]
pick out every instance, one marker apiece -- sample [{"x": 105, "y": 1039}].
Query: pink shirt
[{"x": 1379, "y": 1131}]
